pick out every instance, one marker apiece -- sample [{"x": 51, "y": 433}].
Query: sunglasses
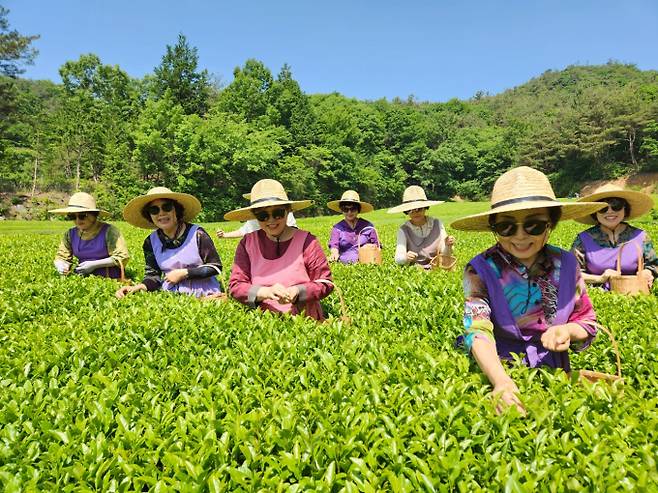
[
  {"x": 78, "y": 215},
  {"x": 615, "y": 204},
  {"x": 533, "y": 227},
  {"x": 349, "y": 208},
  {"x": 416, "y": 210},
  {"x": 154, "y": 209},
  {"x": 276, "y": 214}
]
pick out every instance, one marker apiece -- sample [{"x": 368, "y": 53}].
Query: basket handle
[
  {"x": 436, "y": 261},
  {"x": 358, "y": 237},
  {"x": 609, "y": 333},
  {"x": 640, "y": 257},
  {"x": 339, "y": 292}
]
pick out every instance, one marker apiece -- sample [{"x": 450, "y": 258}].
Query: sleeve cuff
[
  {"x": 303, "y": 295},
  {"x": 251, "y": 295}
]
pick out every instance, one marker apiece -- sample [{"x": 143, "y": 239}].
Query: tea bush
[{"x": 162, "y": 392}]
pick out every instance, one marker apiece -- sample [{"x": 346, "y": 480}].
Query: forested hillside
[{"x": 99, "y": 130}]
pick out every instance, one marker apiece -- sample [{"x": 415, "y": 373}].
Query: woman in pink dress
[{"x": 278, "y": 268}]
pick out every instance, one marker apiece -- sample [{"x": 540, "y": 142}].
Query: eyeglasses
[
  {"x": 416, "y": 210},
  {"x": 349, "y": 208},
  {"x": 276, "y": 214},
  {"x": 154, "y": 209},
  {"x": 77, "y": 215},
  {"x": 615, "y": 204},
  {"x": 533, "y": 227}
]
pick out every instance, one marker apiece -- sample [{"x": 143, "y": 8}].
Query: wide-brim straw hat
[
  {"x": 79, "y": 202},
  {"x": 132, "y": 212},
  {"x": 523, "y": 188},
  {"x": 413, "y": 198},
  {"x": 266, "y": 193},
  {"x": 640, "y": 203},
  {"x": 353, "y": 197}
]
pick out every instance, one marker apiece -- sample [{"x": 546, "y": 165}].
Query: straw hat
[
  {"x": 79, "y": 202},
  {"x": 132, "y": 212},
  {"x": 520, "y": 189},
  {"x": 266, "y": 193},
  {"x": 640, "y": 203},
  {"x": 413, "y": 198},
  {"x": 350, "y": 196}
]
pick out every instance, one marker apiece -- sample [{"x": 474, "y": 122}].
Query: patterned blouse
[
  {"x": 603, "y": 240},
  {"x": 531, "y": 295}
]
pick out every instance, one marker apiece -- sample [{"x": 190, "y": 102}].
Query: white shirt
[
  {"x": 421, "y": 231},
  {"x": 252, "y": 224}
]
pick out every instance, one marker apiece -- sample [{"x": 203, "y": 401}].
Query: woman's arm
[
  {"x": 64, "y": 255},
  {"x": 401, "y": 249},
  {"x": 116, "y": 246},
  {"x": 240, "y": 285},
  {"x": 316, "y": 268},
  {"x": 212, "y": 264}
]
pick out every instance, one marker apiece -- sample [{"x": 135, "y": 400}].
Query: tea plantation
[{"x": 167, "y": 393}]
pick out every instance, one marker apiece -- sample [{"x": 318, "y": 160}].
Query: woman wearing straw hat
[
  {"x": 99, "y": 247},
  {"x": 523, "y": 296},
  {"x": 180, "y": 256},
  {"x": 352, "y": 232},
  {"x": 596, "y": 248},
  {"x": 422, "y": 237},
  {"x": 251, "y": 225},
  {"x": 278, "y": 268}
]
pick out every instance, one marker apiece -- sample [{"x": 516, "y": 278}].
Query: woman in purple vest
[
  {"x": 180, "y": 257},
  {"x": 98, "y": 246},
  {"x": 596, "y": 248},
  {"x": 523, "y": 296},
  {"x": 352, "y": 231},
  {"x": 422, "y": 237}
]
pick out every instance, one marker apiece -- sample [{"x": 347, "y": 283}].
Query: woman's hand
[
  {"x": 648, "y": 276},
  {"x": 333, "y": 256},
  {"x": 177, "y": 275},
  {"x": 411, "y": 257},
  {"x": 290, "y": 296},
  {"x": 450, "y": 241},
  {"x": 274, "y": 292},
  {"x": 605, "y": 277},
  {"x": 124, "y": 290},
  {"x": 220, "y": 233},
  {"x": 507, "y": 395},
  {"x": 557, "y": 338}
]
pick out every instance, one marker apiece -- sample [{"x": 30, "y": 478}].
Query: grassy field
[{"x": 162, "y": 392}]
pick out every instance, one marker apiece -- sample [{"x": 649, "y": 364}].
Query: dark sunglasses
[
  {"x": 533, "y": 227},
  {"x": 615, "y": 204},
  {"x": 349, "y": 208},
  {"x": 154, "y": 209},
  {"x": 276, "y": 214},
  {"x": 77, "y": 215},
  {"x": 415, "y": 210}
]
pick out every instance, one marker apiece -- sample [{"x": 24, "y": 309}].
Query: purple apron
[
  {"x": 507, "y": 334},
  {"x": 599, "y": 258},
  {"x": 427, "y": 247},
  {"x": 94, "y": 249},
  {"x": 184, "y": 257}
]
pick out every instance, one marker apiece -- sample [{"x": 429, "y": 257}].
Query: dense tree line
[{"x": 102, "y": 131}]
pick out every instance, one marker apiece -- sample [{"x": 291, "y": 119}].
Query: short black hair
[
  {"x": 180, "y": 211},
  {"x": 347, "y": 202}
]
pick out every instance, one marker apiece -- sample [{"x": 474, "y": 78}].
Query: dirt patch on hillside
[
  {"x": 642, "y": 182},
  {"x": 16, "y": 205}
]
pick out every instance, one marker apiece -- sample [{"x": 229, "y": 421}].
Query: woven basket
[
  {"x": 369, "y": 253},
  {"x": 630, "y": 284},
  {"x": 445, "y": 262},
  {"x": 596, "y": 376}
]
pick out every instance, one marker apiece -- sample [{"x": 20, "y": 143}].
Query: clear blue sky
[{"x": 435, "y": 50}]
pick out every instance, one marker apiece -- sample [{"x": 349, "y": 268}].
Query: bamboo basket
[
  {"x": 630, "y": 284},
  {"x": 344, "y": 315},
  {"x": 445, "y": 262},
  {"x": 596, "y": 376},
  {"x": 369, "y": 253}
]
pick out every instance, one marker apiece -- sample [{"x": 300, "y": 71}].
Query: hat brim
[
  {"x": 570, "y": 210},
  {"x": 73, "y": 210},
  {"x": 416, "y": 204},
  {"x": 334, "y": 205},
  {"x": 640, "y": 203},
  {"x": 132, "y": 212},
  {"x": 246, "y": 213}
]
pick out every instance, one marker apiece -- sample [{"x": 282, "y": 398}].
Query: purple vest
[
  {"x": 509, "y": 338},
  {"x": 94, "y": 249},
  {"x": 427, "y": 247},
  {"x": 184, "y": 257},
  {"x": 599, "y": 258}
]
